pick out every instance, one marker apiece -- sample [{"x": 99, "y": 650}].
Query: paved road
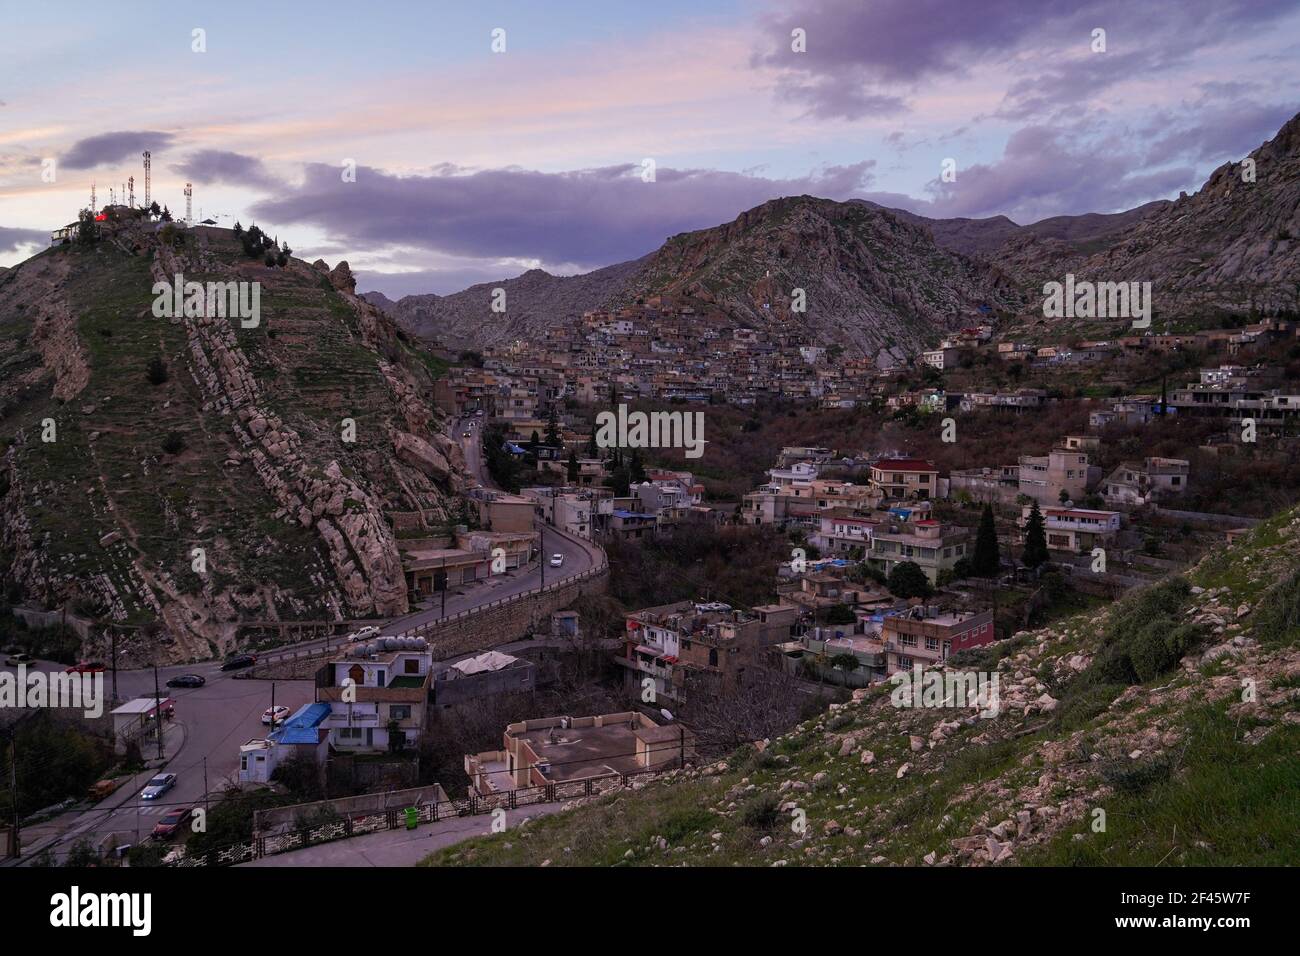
[
  {"x": 401, "y": 847},
  {"x": 211, "y": 721},
  {"x": 215, "y": 719}
]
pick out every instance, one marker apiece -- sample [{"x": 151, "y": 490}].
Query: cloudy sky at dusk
[{"x": 474, "y": 165}]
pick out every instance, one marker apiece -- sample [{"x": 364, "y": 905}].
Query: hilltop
[
  {"x": 184, "y": 433},
  {"x": 1175, "y": 713}
]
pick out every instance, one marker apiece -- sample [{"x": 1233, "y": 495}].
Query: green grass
[{"x": 1223, "y": 802}]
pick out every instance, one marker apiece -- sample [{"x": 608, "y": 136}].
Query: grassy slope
[
  {"x": 314, "y": 370},
  {"x": 1214, "y": 779}
]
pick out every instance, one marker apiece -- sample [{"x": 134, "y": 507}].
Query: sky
[{"x": 435, "y": 145}]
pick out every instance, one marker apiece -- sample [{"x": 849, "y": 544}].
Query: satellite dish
[{"x": 668, "y": 714}]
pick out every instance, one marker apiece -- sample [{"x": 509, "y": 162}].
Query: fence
[{"x": 396, "y": 818}]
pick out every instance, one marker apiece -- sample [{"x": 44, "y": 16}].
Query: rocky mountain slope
[
  {"x": 872, "y": 280},
  {"x": 1233, "y": 245},
  {"x": 132, "y": 441},
  {"x": 983, "y": 237},
  {"x": 1162, "y": 731},
  {"x": 535, "y": 301}
]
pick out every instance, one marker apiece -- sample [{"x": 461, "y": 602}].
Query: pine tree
[
  {"x": 553, "y": 429},
  {"x": 986, "y": 559},
  {"x": 573, "y": 467},
  {"x": 1035, "y": 553},
  {"x": 636, "y": 469}
]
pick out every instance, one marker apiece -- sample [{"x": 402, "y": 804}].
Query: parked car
[
  {"x": 187, "y": 680},
  {"x": 557, "y": 560},
  {"x": 239, "y": 661},
  {"x": 361, "y": 633},
  {"x": 171, "y": 822},
  {"x": 85, "y": 667},
  {"x": 465, "y": 435},
  {"x": 15, "y": 659},
  {"x": 278, "y": 713},
  {"x": 158, "y": 786}
]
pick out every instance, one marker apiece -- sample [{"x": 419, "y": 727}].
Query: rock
[
  {"x": 342, "y": 279},
  {"x": 917, "y": 743},
  {"x": 930, "y": 857},
  {"x": 418, "y": 453},
  {"x": 110, "y": 539},
  {"x": 868, "y": 757},
  {"x": 902, "y": 771},
  {"x": 1046, "y": 703}
]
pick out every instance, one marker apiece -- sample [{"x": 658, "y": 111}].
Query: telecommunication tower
[
  {"x": 189, "y": 202},
  {"x": 93, "y": 210},
  {"x": 147, "y": 167},
  {"x": 130, "y": 186}
]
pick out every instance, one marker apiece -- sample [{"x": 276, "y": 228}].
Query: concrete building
[
  {"x": 568, "y": 750},
  {"x": 1044, "y": 477},
  {"x": 927, "y": 635},
  {"x": 490, "y": 674},
  {"x": 1152, "y": 479},
  {"x": 927, "y": 543},
  {"x": 906, "y": 478},
  {"x": 301, "y": 734},
  {"x": 378, "y": 694},
  {"x": 1076, "y": 529}
]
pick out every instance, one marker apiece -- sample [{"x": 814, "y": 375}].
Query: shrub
[
  {"x": 1277, "y": 616},
  {"x": 1136, "y": 776},
  {"x": 907, "y": 580},
  {"x": 156, "y": 373},
  {"x": 1146, "y": 636},
  {"x": 761, "y": 813},
  {"x": 174, "y": 443}
]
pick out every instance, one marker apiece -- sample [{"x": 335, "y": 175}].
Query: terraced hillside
[
  {"x": 1163, "y": 731},
  {"x": 132, "y": 441}
]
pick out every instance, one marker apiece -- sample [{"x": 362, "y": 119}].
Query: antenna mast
[
  {"x": 148, "y": 165},
  {"x": 130, "y": 185},
  {"x": 189, "y": 202},
  {"x": 93, "y": 210}
]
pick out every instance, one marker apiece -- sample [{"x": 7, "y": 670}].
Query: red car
[
  {"x": 172, "y": 821},
  {"x": 85, "y": 667}
]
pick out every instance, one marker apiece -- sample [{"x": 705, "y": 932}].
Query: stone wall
[{"x": 493, "y": 626}]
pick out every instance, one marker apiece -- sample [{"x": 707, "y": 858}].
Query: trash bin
[{"x": 412, "y": 818}]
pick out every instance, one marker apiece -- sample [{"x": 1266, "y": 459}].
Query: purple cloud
[
  {"x": 1046, "y": 172},
  {"x": 581, "y": 218},
  {"x": 211, "y": 166},
  {"x": 112, "y": 148},
  {"x": 862, "y": 58},
  {"x": 12, "y": 240}
]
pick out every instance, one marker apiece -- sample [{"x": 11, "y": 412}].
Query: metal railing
[{"x": 399, "y": 817}]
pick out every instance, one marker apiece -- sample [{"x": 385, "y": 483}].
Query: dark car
[
  {"x": 172, "y": 821},
  {"x": 86, "y": 667},
  {"x": 239, "y": 661},
  {"x": 187, "y": 680}
]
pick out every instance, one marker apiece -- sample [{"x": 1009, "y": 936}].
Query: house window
[
  {"x": 412, "y": 665},
  {"x": 399, "y": 712},
  {"x": 931, "y": 643},
  {"x": 713, "y": 657},
  {"x": 907, "y": 640}
]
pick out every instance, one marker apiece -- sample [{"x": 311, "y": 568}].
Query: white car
[
  {"x": 158, "y": 786},
  {"x": 278, "y": 713},
  {"x": 361, "y": 633},
  {"x": 557, "y": 560}
]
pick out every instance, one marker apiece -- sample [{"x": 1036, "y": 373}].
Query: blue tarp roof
[{"x": 302, "y": 727}]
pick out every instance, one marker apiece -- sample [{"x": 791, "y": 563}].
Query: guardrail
[{"x": 397, "y": 818}]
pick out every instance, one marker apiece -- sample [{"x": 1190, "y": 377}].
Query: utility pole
[
  {"x": 541, "y": 550},
  {"x": 112, "y": 638},
  {"x": 443, "y": 579},
  {"x": 205, "y": 784},
  {"x": 15, "y": 844},
  {"x": 272, "y": 706},
  {"x": 157, "y": 710}
]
